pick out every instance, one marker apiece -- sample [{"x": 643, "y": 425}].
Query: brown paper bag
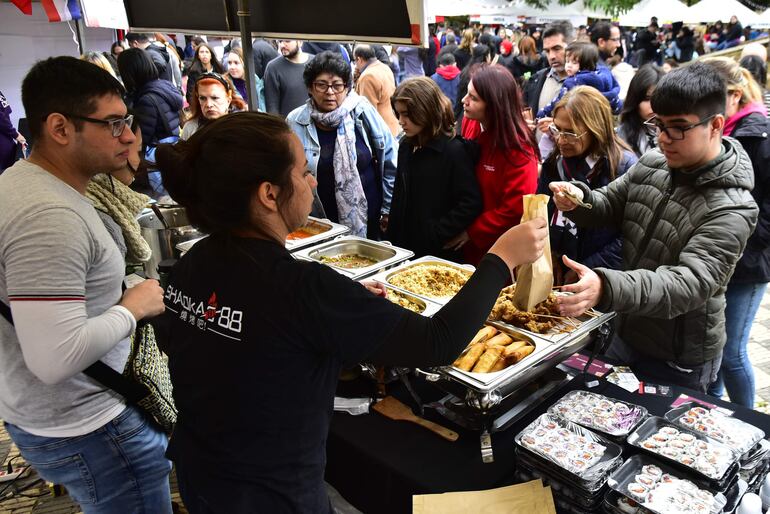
[
  {"x": 534, "y": 281},
  {"x": 529, "y": 498}
]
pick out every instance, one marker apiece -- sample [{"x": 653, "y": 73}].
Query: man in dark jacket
[
  {"x": 263, "y": 54},
  {"x": 546, "y": 84},
  {"x": 686, "y": 212},
  {"x": 158, "y": 53},
  {"x": 647, "y": 40}
]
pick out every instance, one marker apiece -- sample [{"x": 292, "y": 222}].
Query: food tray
[
  {"x": 560, "y": 481},
  {"x": 662, "y": 489},
  {"x": 564, "y": 329},
  {"x": 720, "y": 462},
  {"x": 590, "y": 409},
  {"x": 384, "y": 254},
  {"x": 569, "y": 448},
  {"x": 385, "y": 276},
  {"x": 734, "y": 433},
  {"x": 333, "y": 230},
  {"x": 428, "y": 308}
]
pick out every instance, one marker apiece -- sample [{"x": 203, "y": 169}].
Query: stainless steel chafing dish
[
  {"x": 331, "y": 230},
  {"x": 385, "y": 276},
  {"x": 428, "y": 308},
  {"x": 383, "y": 253}
]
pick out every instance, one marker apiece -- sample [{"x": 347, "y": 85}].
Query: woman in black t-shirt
[{"x": 256, "y": 339}]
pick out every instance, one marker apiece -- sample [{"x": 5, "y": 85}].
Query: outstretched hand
[
  {"x": 587, "y": 290},
  {"x": 561, "y": 195}
]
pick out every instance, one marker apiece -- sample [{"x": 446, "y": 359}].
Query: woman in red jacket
[{"x": 507, "y": 168}]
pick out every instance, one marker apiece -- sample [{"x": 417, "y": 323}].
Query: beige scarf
[{"x": 122, "y": 205}]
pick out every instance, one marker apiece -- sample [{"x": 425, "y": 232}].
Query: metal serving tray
[
  {"x": 565, "y": 330},
  {"x": 384, "y": 276},
  {"x": 547, "y": 354},
  {"x": 429, "y": 308},
  {"x": 333, "y": 230},
  {"x": 384, "y": 253}
]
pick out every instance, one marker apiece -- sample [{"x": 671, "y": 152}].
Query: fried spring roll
[
  {"x": 518, "y": 354},
  {"x": 515, "y": 346},
  {"x": 500, "y": 365},
  {"x": 499, "y": 340},
  {"x": 488, "y": 360},
  {"x": 483, "y": 334},
  {"x": 466, "y": 362}
]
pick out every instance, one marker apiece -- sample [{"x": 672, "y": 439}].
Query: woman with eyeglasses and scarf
[
  {"x": 588, "y": 150},
  {"x": 348, "y": 146},
  {"x": 212, "y": 97}
]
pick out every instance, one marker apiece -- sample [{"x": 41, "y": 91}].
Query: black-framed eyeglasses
[
  {"x": 568, "y": 136},
  {"x": 674, "y": 133},
  {"x": 216, "y": 76},
  {"x": 322, "y": 87},
  {"x": 117, "y": 125}
]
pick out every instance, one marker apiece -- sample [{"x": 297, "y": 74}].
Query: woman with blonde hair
[
  {"x": 747, "y": 122},
  {"x": 99, "y": 60},
  {"x": 588, "y": 150},
  {"x": 464, "y": 50},
  {"x": 436, "y": 195}
]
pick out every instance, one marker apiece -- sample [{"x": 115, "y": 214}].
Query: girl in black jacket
[
  {"x": 436, "y": 195},
  {"x": 747, "y": 122}
]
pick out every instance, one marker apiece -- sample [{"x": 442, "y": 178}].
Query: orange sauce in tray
[{"x": 311, "y": 229}]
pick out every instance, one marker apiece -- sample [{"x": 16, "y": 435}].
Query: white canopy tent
[
  {"x": 667, "y": 11},
  {"x": 709, "y": 11}
]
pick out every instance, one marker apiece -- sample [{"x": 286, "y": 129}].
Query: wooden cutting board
[{"x": 394, "y": 409}]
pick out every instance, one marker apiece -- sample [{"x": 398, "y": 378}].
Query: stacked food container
[{"x": 574, "y": 448}]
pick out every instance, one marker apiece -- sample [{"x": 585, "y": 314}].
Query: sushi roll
[
  {"x": 652, "y": 470},
  {"x": 563, "y": 432},
  {"x": 579, "y": 464},
  {"x": 669, "y": 431},
  {"x": 651, "y": 444},
  {"x": 546, "y": 448},
  {"x": 686, "y": 460},
  {"x": 687, "y": 438},
  {"x": 637, "y": 492},
  {"x": 688, "y": 421},
  {"x": 529, "y": 441},
  {"x": 671, "y": 453},
  {"x": 550, "y": 425},
  {"x": 667, "y": 479},
  {"x": 678, "y": 444},
  {"x": 661, "y": 437},
  {"x": 541, "y": 432},
  {"x": 646, "y": 480},
  {"x": 699, "y": 411},
  {"x": 605, "y": 404}
]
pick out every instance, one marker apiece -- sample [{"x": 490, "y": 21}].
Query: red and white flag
[{"x": 24, "y": 6}]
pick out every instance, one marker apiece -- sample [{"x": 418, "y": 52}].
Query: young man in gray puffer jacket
[{"x": 686, "y": 212}]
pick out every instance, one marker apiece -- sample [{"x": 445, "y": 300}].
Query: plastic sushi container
[
  {"x": 692, "y": 451},
  {"x": 569, "y": 450},
  {"x": 600, "y": 413},
  {"x": 663, "y": 490},
  {"x": 738, "y": 435}
]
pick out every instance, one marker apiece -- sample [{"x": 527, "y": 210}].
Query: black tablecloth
[{"x": 378, "y": 464}]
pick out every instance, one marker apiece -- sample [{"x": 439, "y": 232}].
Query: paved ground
[{"x": 759, "y": 353}]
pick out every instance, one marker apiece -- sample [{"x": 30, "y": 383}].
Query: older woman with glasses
[
  {"x": 348, "y": 146},
  {"x": 212, "y": 97},
  {"x": 588, "y": 150}
]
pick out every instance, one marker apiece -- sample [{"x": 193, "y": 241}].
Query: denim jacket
[{"x": 380, "y": 142}]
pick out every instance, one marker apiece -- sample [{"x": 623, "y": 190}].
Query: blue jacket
[
  {"x": 601, "y": 79},
  {"x": 157, "y": 105},
  {"x": 596, "y": 248},
  {"x": 380, "y": 142}
]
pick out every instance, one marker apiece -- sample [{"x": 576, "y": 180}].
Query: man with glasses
[
  {"x": 284, "y": 88},
  {"x": 685, "y": 211},
  {"x": 61, "y": 273},
  {"x": 543, "y": 87},
  {"x": 607, "y": 38}
]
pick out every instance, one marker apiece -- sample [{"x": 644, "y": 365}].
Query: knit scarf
[
  {"x": 749, "y": 108},
  {"x": 122, "y": 205},
  {"x": 348, "y": 191}
]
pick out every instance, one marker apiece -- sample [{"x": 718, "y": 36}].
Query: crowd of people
[{"x": 432, "y": 149}]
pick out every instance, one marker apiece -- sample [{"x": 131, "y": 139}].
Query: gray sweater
[{"x": 284, "y": 88}]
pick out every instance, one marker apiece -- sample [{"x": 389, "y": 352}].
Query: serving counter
[{"x": 378, "y": 464}]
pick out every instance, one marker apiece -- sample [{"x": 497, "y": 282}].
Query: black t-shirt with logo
[{"x": 256, "y": 341}]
